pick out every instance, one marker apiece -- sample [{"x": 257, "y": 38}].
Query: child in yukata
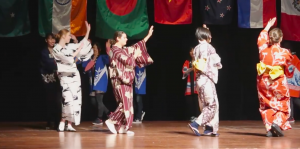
[{"x": 206, "y": 64}]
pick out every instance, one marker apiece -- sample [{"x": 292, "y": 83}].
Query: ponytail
[
  {"x": 275, "y": 36},
  {"x": 57, "y": 37},
  {"x": 112, "y": 41}
]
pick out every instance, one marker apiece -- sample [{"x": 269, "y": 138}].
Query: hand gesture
[
  {"x": 88, "y": 26},
  {"x": 107, "y": 43},
  {"x": 150, "y": 31},
  {"x": 204, "y": 26},
  {"x": 73, "y": 37},
  {"x": 272, "y": 21},
  {"x": 108, "y": 47}
]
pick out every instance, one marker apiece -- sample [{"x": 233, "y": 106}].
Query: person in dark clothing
[{"x": 51, "y": 83}]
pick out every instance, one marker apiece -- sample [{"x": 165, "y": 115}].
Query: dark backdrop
[{"x": 22, "y": 94}]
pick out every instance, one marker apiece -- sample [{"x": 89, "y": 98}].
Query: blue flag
[{"x": 218, "y": 12}]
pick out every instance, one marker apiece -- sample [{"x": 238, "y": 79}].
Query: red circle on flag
[{"x": 121, "y": 7}]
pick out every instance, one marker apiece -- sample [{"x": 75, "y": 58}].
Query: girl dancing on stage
[
  {"x": 206, "y": 64},
  {"x": 273, "y": 92},
  {"x": 64, "y": 53},
  {"x": 122, "y": 63}
]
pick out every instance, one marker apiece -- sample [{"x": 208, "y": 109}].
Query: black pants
[
  {"x": 293, "y": 101},
  {"x": 138, "y": 107},
  {"x": 192, "y": 106},
  {"x": 53, "y": 102},
  {"x": 97, "y": 102}
]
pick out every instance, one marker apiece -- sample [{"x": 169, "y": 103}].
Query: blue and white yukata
[{"x": 139, "y": 90}]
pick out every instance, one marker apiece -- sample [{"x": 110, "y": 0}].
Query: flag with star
[
  {"x": 218, "y": 12},
  {"x": 14, "y": 18}
]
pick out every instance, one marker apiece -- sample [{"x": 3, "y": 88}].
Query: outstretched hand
[
  {"x": 88, "y": 26},
  {"x": 107, "y": 43},
  {"x": 272, "y": 21},
  {"x": 204, "y": 26},
  {"x": 108, "y": 47},
  {"x": 150, "y": 31}
]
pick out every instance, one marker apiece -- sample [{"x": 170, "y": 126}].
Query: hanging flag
[
  {"x": 255, "y": 13},
  {"x": 55, "y": 15},
  {"x": 217, "y": 11},
  {"x": 173, "y": 11},
  {"x": 14, "y": 19},
  {"x": 129, "y": 16},
  {"x": 290, "y": 19}
]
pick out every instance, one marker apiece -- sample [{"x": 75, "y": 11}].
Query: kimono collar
[
  {"x": 204, "y": 41},
  {"x": 58, "y": 46}
]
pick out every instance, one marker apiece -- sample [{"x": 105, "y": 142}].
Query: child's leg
[{"x": 209, "y": 107}]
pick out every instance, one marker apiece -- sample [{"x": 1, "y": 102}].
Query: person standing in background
[
  {"x": 48, "y": 70},
  {"x": 191, "y": 95},
  {"x": 139, "y": 90},
  {"x": 292, "y": 72}
]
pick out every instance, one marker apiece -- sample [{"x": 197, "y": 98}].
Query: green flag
[
  {"x": 129, "y": 16},
  {"x": 14, "y": 18}
]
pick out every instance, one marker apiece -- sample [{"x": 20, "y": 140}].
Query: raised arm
[
  {"x": 84, "y": 43},
  {"x": 149, "y": 34},
  {"x": 263, "y": 37},
  {"x": 185, "y": 67}
]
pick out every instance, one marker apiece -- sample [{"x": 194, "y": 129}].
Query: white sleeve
[
  {"x": 200, "y": 52},
  {"x": 86, "y": 51},
  {"x": 63, "y": 55}
]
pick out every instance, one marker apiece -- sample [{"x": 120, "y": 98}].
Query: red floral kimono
[
  {"x": 273, "y": 92},
  {"x": 122, "y": 73}
]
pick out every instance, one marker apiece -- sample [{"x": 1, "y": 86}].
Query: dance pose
[
  {"x": 191, "y": 95},
  {"x": 122, "y": 63},
  {"x": 139, "y": 90},
  {"x": 206, "y": 64},
  {"x": 64, "y": 53},
  {"x": 273, "y": 92},
  {"x": 51, "y": 83},
  {"x": 99, "y": 83}
]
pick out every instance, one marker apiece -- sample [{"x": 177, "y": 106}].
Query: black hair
[
  {"x": 48, "y": 35},
  {"x": 202, "y": 34}
]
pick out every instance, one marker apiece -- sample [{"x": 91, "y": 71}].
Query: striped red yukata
[{"x": 122, "y": 74}]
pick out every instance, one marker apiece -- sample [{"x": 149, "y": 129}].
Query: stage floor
[{"x": 152, "y": 134}]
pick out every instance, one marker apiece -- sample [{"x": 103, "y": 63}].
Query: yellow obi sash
[
  {"x": 199, "y": 64},
  {"x": 273, "y": 71}
]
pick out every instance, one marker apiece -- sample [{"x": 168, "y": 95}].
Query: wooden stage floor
[{"x": 152, "y": 134}]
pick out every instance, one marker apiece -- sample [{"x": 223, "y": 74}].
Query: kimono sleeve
[
  {"x": 200, "y": 52},
  {"x": 262, "y": 41},
  {"x": 86, "y": 51},
  {"x": 139, "y": 51},
  {"x": 84, "y": 63},
  {"x": 185, "y": 66},
  {"x": 288, "y": 56},
  {"x": 63, "y": 55}
]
